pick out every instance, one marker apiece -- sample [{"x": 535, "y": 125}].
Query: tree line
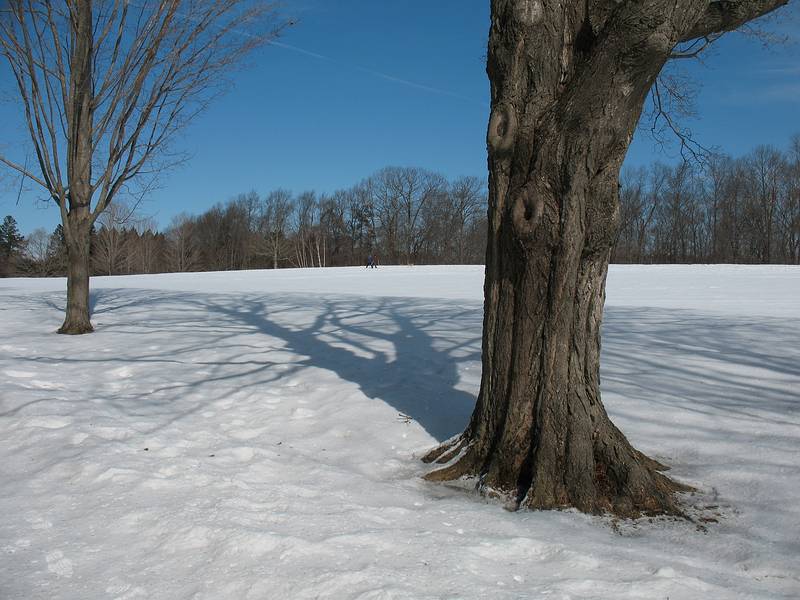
[
  {"x": 730, "y": 210},
  {"x": 398, "y": 215}
]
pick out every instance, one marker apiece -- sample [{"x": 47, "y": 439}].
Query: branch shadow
[
  {"x": 702, "y": 377},
  {"x": 395, "y": 350},
  {"x": 411, "y": 353},
  {"x": 405, "y": 352}
]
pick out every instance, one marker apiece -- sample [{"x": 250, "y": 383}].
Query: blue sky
[{"x": 403, "y": 83}]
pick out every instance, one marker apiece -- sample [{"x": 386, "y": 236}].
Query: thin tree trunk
[
  {"x": 76, "y": 320},
  {"x": 78, "y": 224}
]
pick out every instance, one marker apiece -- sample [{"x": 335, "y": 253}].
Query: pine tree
[{"x": 10, "y": 238}]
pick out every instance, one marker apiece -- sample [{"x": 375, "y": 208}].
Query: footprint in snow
[
  {"x": 56, "y": 563},
  {"x": 47, "y": 385},
  {"x": 246, "y": 434},
  {"x": 243, "y": 454},
  {"x": 37, "y": 522},
  {"x": 19, "y": 374},
  {"x": 48, "y": 422},
  {"x": 122, "y": 372},
  {"x": 302, "y": 413}
]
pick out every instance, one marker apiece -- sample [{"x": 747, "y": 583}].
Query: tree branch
[
  {"x": 24, "y": 172},
  {"x": 722, "y": 16}
]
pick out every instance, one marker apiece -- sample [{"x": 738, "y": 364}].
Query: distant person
[{"x": 370, "y": 261}]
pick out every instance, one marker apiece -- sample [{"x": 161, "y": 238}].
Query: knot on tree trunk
[
  {"x": 527, "y": 209},
  {"x": 502, "y": 129}
]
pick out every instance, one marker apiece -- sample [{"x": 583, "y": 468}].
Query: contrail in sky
[
  {"x": 379, "y": 74},
  {"x": 355, "y": 67}
]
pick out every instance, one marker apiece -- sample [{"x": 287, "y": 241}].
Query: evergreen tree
[
  {"x": 10, "y": 238},
  {"x": 57, "y": 251}
]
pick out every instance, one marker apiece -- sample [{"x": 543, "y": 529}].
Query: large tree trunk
[
  {"x": 567, "y": 91},
  {"x": 568, "y": 83}
]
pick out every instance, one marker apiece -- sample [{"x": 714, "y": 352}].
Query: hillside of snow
[{"x": 255, "y": 435}]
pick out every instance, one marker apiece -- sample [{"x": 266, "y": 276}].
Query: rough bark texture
[
  {"x": 78, "y": 221},
  {"x": 568, "y": 83},
  {"x": 76, "y": 320}
]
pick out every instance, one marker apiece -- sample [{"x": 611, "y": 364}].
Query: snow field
[{"x": 255, "y": 435}]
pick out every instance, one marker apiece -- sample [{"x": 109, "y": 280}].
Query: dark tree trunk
[
  {"x": 568, "y": 84},
  {"x": 76, "y": 320},
  {"x": 78, "y": 220}
]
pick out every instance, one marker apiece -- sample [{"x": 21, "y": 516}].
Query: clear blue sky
[{"x": 403, "y": 84}]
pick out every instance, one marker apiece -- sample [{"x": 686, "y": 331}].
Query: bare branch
[
  {"x": 695, "y": 47},
  {"x": 672, "y": 98},
  {"x": 24, "y": 171},
  {"x": 151, "y": 68}
]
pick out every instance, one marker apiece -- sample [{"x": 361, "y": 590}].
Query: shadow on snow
[{"x": 408, "y": 352}]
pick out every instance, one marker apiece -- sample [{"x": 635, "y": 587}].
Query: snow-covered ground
[{"x": 239, "y": 436}]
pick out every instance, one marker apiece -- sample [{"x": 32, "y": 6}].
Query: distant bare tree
[
  {"x": 385, "y": 201},
  {"x": 401, "y": 196},
  {"x": 789, "y": 215},
  {"x": 183, "y": 254},
  {"x": 111, "y": 243},
  {"x": 275, "y": 224},
  {"x": 105, "y": 86},
  {"x": 305, "y": 226},
  {"x": 147, "y": 252},
  {"x": 248, "y": 209},
  {"x": 766, "y": 167},
  {"x": 467, "y": 201},
  {"x": 36, "y": 245}
]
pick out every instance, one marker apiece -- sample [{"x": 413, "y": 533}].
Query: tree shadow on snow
[
  {"x": 395, "y": 350},
  {"x": 703, "y": 367},
  {"x": 408, "y": 353},
  {"x": 405, "y": 352}
]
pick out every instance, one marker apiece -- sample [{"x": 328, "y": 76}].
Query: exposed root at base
[
  {"x": 439, "y": 453},
  {"x": 630, "y": 489},
  {"x": 456, "y": 457},
  {"x": 75, "y": 329}
]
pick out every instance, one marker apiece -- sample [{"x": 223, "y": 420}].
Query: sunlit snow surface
[{"x": 239, "y": 436}]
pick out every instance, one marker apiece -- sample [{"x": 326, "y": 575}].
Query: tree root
[
  {"x": 625, "y": 483},
  {"x": 75, "y": 329}
]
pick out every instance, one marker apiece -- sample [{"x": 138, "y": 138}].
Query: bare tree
[
  {"x": 275, "y": 223},
  {"x": 147, "y": 247},
  {"x": 568, "y": 83},
  {"x": 467, "y": 200},
  {"x": 386, "y": 213},
  {"x": 111, "y": 244},
  {"x": 637, "y": 209},
  {"x": 790, "y": 208},
  {"x": 183, "y": 254},
  {"x": 767, "y": 169},
  {"x": 40, "y": 257},
  {"x": 37, "y": 244},
  {"x": 105, "y": 86}
]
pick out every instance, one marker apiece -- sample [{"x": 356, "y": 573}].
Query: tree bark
[
  {"x": 76, "y": 320},
  {"x": 568, "y": 84},
  {"x": 78, "y": 220}
]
